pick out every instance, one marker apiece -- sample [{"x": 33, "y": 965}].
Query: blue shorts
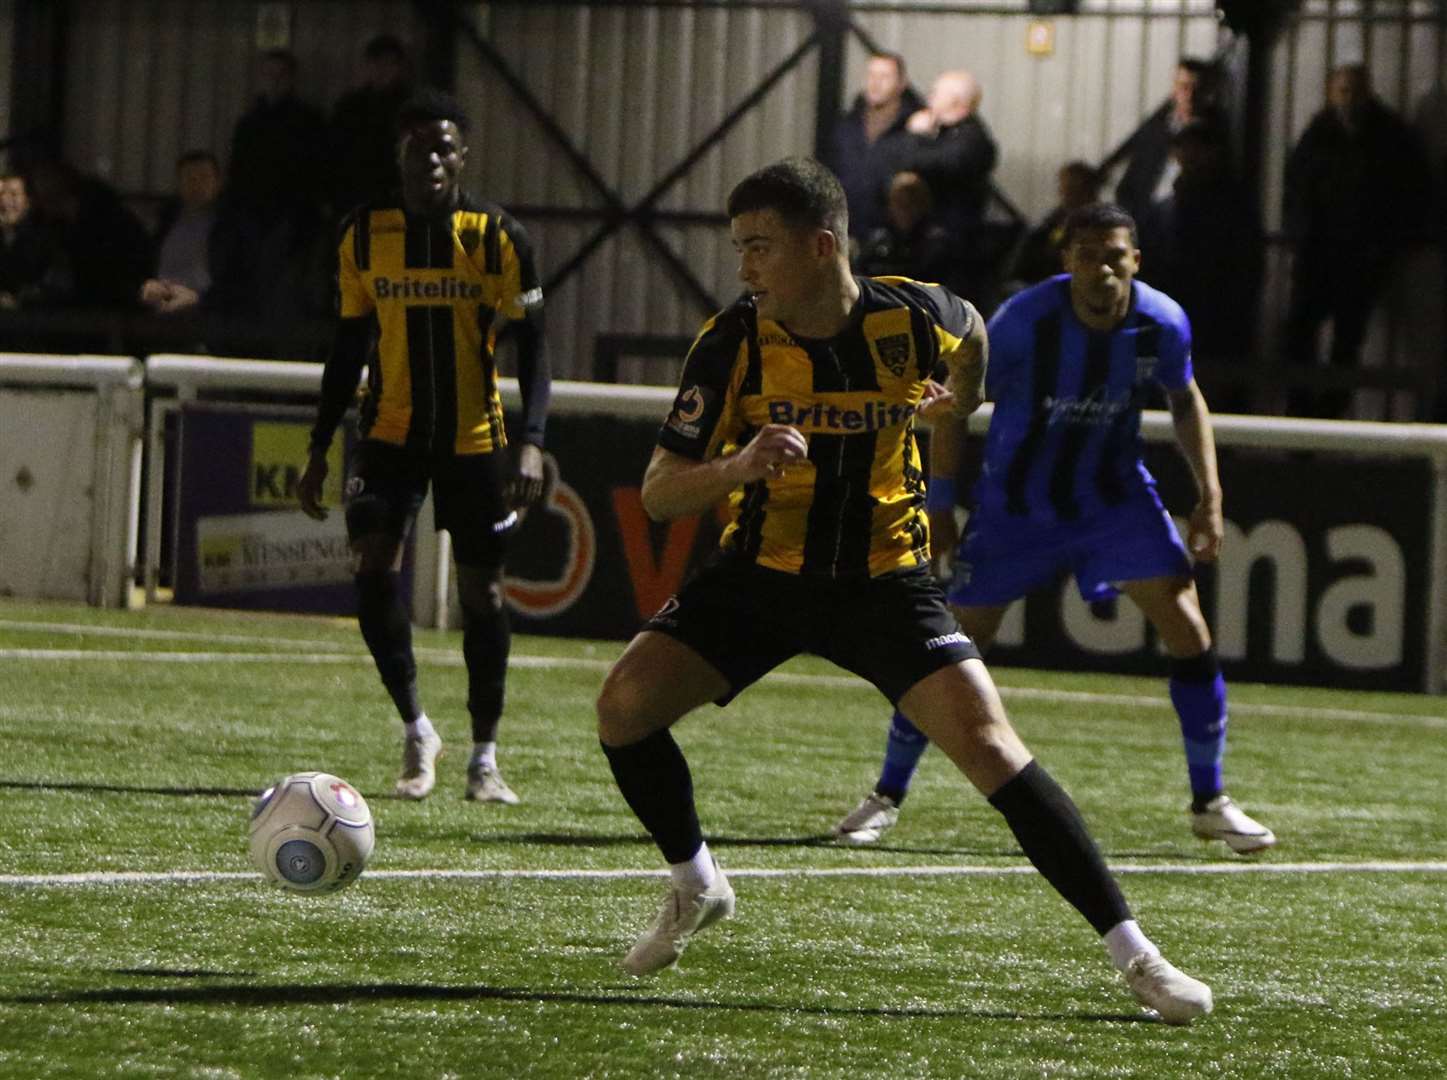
[{"x": 1003, "y": 557}]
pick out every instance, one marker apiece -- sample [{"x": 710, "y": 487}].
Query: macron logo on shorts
[{"x": 957, "y": 638}]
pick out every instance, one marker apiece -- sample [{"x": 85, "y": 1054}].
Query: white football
[{"x": 311, "y": 833}]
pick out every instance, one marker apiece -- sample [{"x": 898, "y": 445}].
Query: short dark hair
[
  {"x": 198, "y": 157},
  {"x": 385, "y": 45},
  {"x": 1098, "y": 216},
  {"x": 428, "y": 105},
  {"x": 800, "y": 190}
]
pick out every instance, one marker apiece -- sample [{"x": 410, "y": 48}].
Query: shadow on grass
[
  {"x": 145, "y": 789},
  {"x": 343, "y": 994},
  {"x": 125, "y": 789},
  {"x": 183, "y": 973},
  {"x": 820, "y": 840}
]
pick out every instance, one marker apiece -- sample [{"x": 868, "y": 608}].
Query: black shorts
[
  {"x": 387, "y": 484},
  {"x": 744, "y": 620}
]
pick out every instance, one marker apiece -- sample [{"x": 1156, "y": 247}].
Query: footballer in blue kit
[{"x": 1063, "y": 487}]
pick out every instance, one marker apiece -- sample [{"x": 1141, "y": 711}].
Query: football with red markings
[{"x": 311, "y": 833}]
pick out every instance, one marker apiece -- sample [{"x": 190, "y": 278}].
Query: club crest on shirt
[
  {"x": 894, "y": 352},
  {"x": 470, "y": 239},
  {"x": 1145, "y": 368}
]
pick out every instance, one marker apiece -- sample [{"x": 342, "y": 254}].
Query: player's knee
[
  {"x": 623, "y": 708},
  {"x": 613, "y": 708},
  {"x": 1190, "y": 637}
]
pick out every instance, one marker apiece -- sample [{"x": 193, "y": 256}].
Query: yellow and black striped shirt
[
  {"x": 856, "y": 506},
  {"x": 439, "y": 288}
]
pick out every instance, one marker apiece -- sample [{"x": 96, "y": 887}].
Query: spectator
[
  {"x": 953, "y": 151},
  {"x": 184, "y": 237},
  {"x": 1431, "y": 122},
  {"x": 31, "y": 269},
  {"x": 278, "y": 153},
  {"x": 1357, "y": 193},
  {"x": 364, "y": 127},
  {"x": 1151, "y": 172},
  {"x": 1041, "y": 254},
  {"x": 104, "y": 244},
  {"x": 1202, "y": 245},
  {"x": 911, "y": 243},
  {"x": 866, "y": 140}
]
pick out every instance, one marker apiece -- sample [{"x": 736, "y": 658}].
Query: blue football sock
[
  {"x": 1199, "y": 694},
  {"x": 902, "y": 751}
]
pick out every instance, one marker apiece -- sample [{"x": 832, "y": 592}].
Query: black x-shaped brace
[{"x": 617, "y": 213}]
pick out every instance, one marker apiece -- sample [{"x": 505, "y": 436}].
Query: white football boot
[
  {"x": 868, "y": 821},
  {"x": 485, "y": 784},
  {"x": 682, "y": 915},
  {"x": 1224, "y": 820},
  {"x": 1172, "y": 994},
  {"x": 419, "y": 766}
]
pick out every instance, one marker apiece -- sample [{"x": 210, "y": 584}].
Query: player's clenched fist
[{"x": 770, "y": 453}]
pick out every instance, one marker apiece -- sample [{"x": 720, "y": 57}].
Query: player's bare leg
[
  {"x": 654, "y": 684},
  {"x": 959, "y": 709},
  {"x": 1198, "y": 693},
  {"x": 904, "y": 745}
]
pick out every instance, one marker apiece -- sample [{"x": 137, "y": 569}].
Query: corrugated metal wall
[
  {"x": 7, "y": 48},
  {"x": 635, "y": 90},
  {"x": 681, "y": 71},
  {"x": 147, "y": 80},
  {"x": 635, "y": 87}
]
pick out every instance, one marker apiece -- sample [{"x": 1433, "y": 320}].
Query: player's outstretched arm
[
  {"x": 1192, "y": 421},
  {"x": 968, "y": 365},
  {"x": 676, "y": 486}
]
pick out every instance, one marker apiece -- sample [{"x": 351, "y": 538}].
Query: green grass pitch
[{"x": 483, "y": 941}]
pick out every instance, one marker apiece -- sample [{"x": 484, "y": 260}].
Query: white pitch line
[
  {"x": 128, "y": 877},
  {"x": 334, "y": 652},
  {"x": 450, "y": 658}
]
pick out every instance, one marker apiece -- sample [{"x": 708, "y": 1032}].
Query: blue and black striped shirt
[{"x": 1064, "y": 443}]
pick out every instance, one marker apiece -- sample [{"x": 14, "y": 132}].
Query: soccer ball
[{"x": 311, "y": 833}]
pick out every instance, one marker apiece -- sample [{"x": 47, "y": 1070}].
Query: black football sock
[
  {"x": 654, "y": 779},
  {"x": 1054, "y": 838},
  {"x": 486, "y": 642},
  {"x": 388, "y": 633}
]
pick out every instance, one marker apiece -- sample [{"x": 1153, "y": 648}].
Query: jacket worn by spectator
[
  {"x": 1370, "y": 184},
  {"x": 956, "y": 163},
  {"x": 865, "y": 167}
]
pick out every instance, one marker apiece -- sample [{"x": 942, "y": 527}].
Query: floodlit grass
[{"x": 119, "y": 762}]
